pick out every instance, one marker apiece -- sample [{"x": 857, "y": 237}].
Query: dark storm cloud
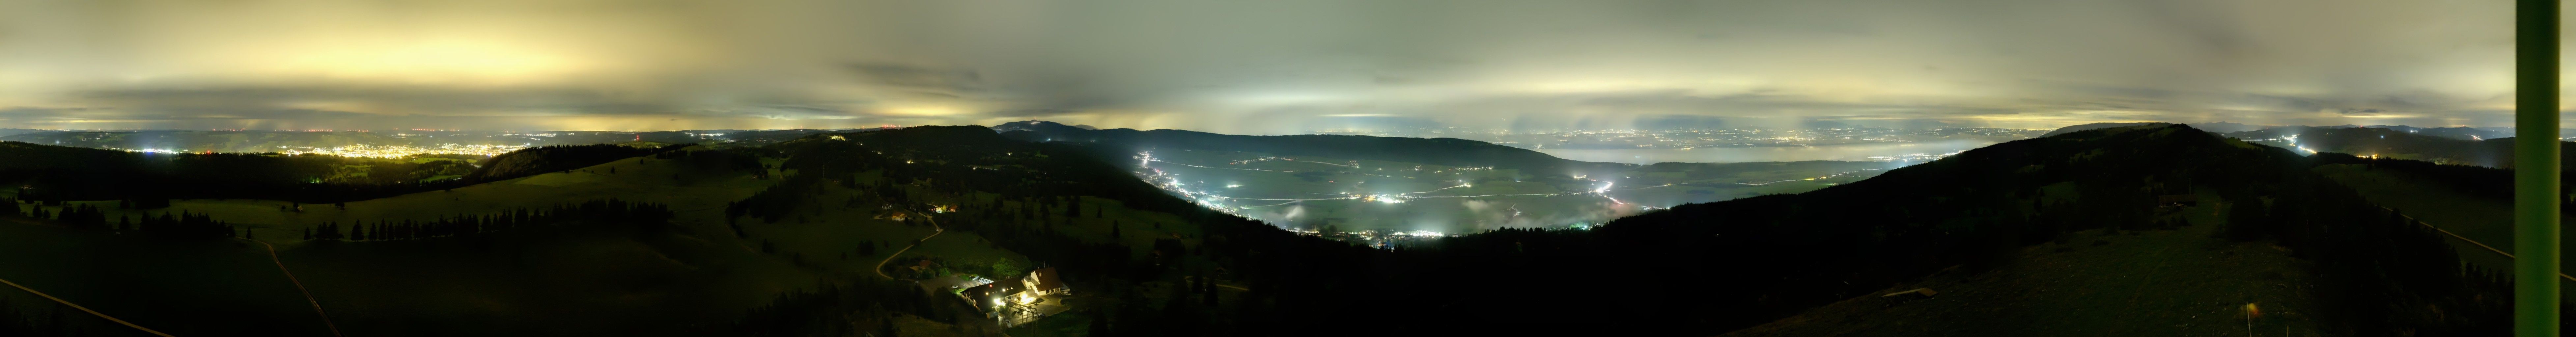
[{"x": 1250, "y": 67}]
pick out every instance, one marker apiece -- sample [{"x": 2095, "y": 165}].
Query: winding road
[
  {"x": 299, "y": 287},
  {"x": 69, "y": 303},
  {"x": 934, "y": 232},
  {"x": 84, "y": 309}
]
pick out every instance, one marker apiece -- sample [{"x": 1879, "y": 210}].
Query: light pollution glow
[{"x": 1243, "y": 67}]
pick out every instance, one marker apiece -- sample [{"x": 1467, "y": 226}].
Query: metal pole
[{"x": 2535, "y": 168}]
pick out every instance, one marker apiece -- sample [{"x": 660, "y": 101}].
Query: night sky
[{"x": 1252, "y": 67}]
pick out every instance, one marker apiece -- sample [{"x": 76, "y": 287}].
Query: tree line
[{"x": 90, "y": 217}]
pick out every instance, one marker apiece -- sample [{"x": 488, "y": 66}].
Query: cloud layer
[{"x": 1245, "y": 67}]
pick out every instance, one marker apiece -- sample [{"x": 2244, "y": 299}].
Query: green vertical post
[{"x": 2535, "y": 168}]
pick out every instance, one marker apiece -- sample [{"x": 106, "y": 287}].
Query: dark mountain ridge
[{"x": 2094, "y": 126}]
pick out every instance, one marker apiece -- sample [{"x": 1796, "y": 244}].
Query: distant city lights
[{"x": 377, "y": 151}]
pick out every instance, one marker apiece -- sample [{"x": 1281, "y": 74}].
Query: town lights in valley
[
  {"x": 1387, "y": 198},
  {"x": 399, "y": 151}
]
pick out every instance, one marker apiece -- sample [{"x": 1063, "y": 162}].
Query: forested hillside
[{"x": 555, "y": 158}]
